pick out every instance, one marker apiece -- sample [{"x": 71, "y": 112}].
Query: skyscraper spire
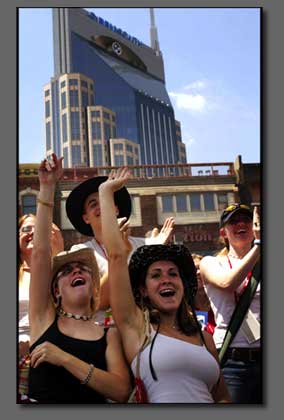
[{"x": 154, "y": 34}]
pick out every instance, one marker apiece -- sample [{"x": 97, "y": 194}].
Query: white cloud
[
  {"x": 198, "y": 84},
  {"x": 188, "y": 101}
]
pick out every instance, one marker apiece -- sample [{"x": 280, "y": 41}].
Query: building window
[
  {"x": 92, "y": 100},
  {"x": 48, "y": 136},
  {"x": 118, "y": 146},
  {"x": 95, "y": 114},
  {"x": 74, "y": 100},
  {"x": 98, "y": 154},
  {"x": 65, "y": 156},
  {"x": 76, "y": 155},
  {"x": 113, "y": 131},
  {"x": 73, "y": 82},
  {"x": 63, "y": 100},
  {"x": 29, "y": 204},
  {"x": 63, "y": 84},
  {"x": 75, "y": 126},
  {"x": 106, "y": 115},
  {"x": 118, "y": 160},
  {"x": 47, "y": 93},
  {"x": 208, "y": 198},
  {"x": 96, "y": 130},
  {"x": 181, "y": 202},
  {"x": 113, "y": 119},
  {"x": 222, "y": 200},
  {"x": 84, "y": 99},
  {"x": 64, "y": 128},
  {"x": 129, "y": 148},
  {"x": 167, "y": 204},
  {"x": 129, "y": 160},
  {"x": 84, "y": 84},
  {"x": 195, "y": 202},
  {"x": 106, "y": 131},
  {"x": 47, "y": 109}
]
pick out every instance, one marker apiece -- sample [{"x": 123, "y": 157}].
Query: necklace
[
  {"x": 62, "y": 313},
  {"x": 234, "y": 256}
]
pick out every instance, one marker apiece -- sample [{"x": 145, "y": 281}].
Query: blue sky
[{"x": 212, "y": 68}]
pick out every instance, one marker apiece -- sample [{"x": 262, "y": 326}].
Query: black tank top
[{"x": 50, "y": 384}]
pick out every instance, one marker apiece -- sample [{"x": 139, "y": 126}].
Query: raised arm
[
  {"x": 212, "y": 271},
  {"x": 40, "y": 304},
  {"x": 127, "y": 315}
]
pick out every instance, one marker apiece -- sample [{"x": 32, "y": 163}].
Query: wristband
[
  {"x": 45, "y": 203},
  {"x": 257, "y": 242},
  {"x": 89, "y": 375}
]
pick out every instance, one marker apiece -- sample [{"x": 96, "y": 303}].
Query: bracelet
[
  {"x": 257, "y": 242},
  {"x": 45, "y": 203},
  {"x": 89, "y": 375}
]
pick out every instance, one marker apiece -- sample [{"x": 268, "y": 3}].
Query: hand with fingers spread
[
  {"x": 164, "y": 236},
  {"x": 47, "y": 352},
  {"x": 116, "y": 180},
  {"x": 256, "y": 222},
  {"x": 50, "y": 171}
]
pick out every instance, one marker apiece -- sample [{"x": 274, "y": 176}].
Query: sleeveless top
[
  {"x": 186, "y": 372},
  {"x": 50, "y": 384}
]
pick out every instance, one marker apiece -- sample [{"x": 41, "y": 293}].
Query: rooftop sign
[{"x": 113, "y": 28}]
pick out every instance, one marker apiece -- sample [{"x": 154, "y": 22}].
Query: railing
[{"x": 149, "y": 171}]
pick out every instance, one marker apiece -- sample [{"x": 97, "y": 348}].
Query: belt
[{"x": 244, "y": 354}]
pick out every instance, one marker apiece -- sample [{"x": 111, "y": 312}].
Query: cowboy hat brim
[{"x": 76, "y": 200}]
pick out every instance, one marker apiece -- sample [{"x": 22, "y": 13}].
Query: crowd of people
[{"x": 120, "y": 319}]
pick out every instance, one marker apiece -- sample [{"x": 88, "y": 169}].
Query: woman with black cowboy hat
[
  {"x": 83, "y": 211},
  {"x": 225, "y": 278},
  {"x": 72, "y": 360},
  {"x": 176, "y": 367}
]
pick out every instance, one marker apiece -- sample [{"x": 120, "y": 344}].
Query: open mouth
[
  {"x": 167, "y": 292},
  {"x": 240, "y": 231},
  {"x": 78, "y": 282}
]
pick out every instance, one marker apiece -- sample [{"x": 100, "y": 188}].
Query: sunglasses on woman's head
[
  {"x": 68, "y": 268},
  {"x": 27, "y": 229},
  {"x": 237, "y": 206}
]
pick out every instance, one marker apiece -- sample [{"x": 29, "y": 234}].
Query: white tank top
[{"x": 186, "y": 372}]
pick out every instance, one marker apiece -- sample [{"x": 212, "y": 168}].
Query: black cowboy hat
[
  {"x": 146, "y": 255},
  {"x": 232, "y": 209},
  {"x": 76, "y": 200}
]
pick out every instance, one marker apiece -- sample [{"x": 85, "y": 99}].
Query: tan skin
[
  {"x": 240, "y": 235},
  {"x": 92, "y": 216},
  {"x": 26, "y": 233},
  {"x": 113, "y": 383},
  {"x": 161, "y": 274}
]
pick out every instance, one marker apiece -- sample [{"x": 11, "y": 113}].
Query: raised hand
[
  {"x": 50, "y": 171},
  {"x": 116, "y": 180},
  {"x": 164, "y": 236}
]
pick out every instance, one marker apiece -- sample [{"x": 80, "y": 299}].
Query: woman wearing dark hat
[
  {"x": 83, "y": 211},
  {"x": 225, "y": 278},
  {"x": 72, "y": 360},
  {"x": 176, "y": 367}
]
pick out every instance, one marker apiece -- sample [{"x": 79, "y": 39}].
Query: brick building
[{"x": 194, "y": 194}]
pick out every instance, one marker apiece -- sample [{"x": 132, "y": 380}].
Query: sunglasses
[
  {"x": 68, "y": 268},
  {"x": 27, "y": 229},
  {"x": 237, "y": 206}
]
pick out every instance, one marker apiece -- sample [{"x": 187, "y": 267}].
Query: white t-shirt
[{"x": 24, "y": 325}]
